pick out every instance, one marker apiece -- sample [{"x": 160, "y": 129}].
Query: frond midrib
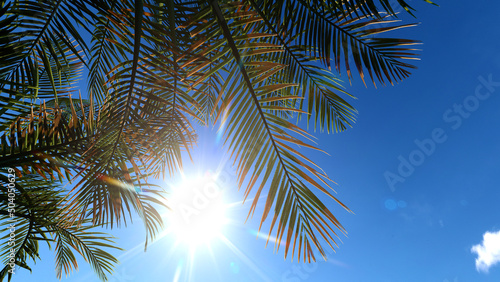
[{"x": 234, "y": 50}]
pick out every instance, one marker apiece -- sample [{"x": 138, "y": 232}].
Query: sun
[
  {"x": 197, "y": 210},
  {"x": 198, "y": 229}
]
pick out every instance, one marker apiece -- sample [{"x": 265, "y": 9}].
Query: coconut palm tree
[{"x": 152, "y": 70}]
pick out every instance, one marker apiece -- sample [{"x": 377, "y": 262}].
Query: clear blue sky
[{"x": 422, "y": 229}]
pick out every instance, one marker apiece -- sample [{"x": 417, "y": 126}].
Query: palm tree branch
[
  {"x": 98, "y": 61},
  {"x": 42, "y": 31},
  {"x": 87, "y": 253},
  {"x": 297, "y": 61},
  {"x": 135, "y": 60},
  {"x": 342, "y": 30},
  {"x": 227, "y": 35}
]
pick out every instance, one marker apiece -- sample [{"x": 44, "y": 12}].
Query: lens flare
[{"x": 197, "y": 214}]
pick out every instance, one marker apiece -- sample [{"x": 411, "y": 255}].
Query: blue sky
[{"x": 419, "y": 229}]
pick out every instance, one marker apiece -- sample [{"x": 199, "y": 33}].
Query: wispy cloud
[{"x": 488, "y": 252}]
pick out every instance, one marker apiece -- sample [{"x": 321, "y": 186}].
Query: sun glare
[
  {"x": 197, "y": 214},
  {"x": 198, "y": 224}
]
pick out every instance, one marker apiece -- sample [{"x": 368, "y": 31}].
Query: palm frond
[
  {"x": 261, "y": 138},
  {"x": 144, "y": 124},
  {"x": 342, "y": 39},
  {"x": 43, "y": 30},
  {"x": 56, "y": 144},
  {"x": 38, "y": 217},
  {"x": 157, "y": 67}
]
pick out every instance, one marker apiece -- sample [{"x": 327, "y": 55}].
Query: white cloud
[{"x": 488, "y": 252}]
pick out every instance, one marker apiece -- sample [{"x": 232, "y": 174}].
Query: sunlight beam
[{"x": 245, "y": 259}]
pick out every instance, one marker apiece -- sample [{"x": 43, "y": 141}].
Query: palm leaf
[
  {"x": 259, "y": 136},
  {"x": 155, "y": 67},
  {"x": 45, "y": 222},
  {"x": 342, "y": 38}
]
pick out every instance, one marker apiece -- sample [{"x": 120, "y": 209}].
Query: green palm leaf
[
  {"x": 154, "y": 69},
  {"x": 262, "y": 140},
  {"x": 343, "y": 39},
  {"x": 45, "y": 222}
]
